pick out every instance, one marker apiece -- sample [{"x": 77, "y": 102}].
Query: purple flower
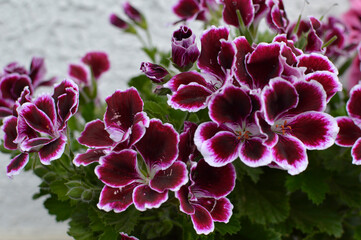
[
  {"x": 204, "y": 199},
  {"x": 79, "y": 74},
  {"x": 195, "y": 9},
  {"x": 277, "y": 17},
  {"x": 124, "y": 125},
  {"x": 116, "y": 21},
  {"x": 350, "y": 128},
  {"x": 133, "y": 14},
  {"x": 184, "y": 48},
  {"x": 128, "y": 183},
  {"x": 154, "y": 72},
  {"x": 40, "y": 126},
  {"x": 98, "y": 63}
]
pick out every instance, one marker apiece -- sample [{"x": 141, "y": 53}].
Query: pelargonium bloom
[
  {"x": 124, "y": 124},
  {"x": 134, "y": 14},
  {"x": 204, "y": 199},
  {"x": 195, "y": 9},
  {"x": 277, "y": 17},
  {"x": 98, "y": 63},
  {"x": 184, "y": 48},
  {"x": 350, "y": 128},
  {"x": 154, "y": 72},
  {"x": 293, "y": 118},
  {"x": 41, "y": 126},
  {"x": 127, "y": 182}
]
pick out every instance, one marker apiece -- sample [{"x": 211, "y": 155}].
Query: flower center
[
  {"x": 245, "y": 135},
  {"x": 282, "y": 128}
]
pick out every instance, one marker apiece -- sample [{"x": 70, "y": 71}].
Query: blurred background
[{"x": 62, "y": 32}]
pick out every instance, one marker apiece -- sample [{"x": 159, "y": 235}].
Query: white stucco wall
[{"x": 62, "y": 31}]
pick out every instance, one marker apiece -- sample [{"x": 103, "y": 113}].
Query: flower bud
[
  {"x": 134, "y": 15},
  {"x": 155, "y": 72},
  {"x": 118, "y": 22},
  {"x": 184, "y": 48}
]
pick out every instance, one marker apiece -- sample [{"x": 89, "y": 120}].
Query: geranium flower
[
  {"x": 154, "y": 72},
  {"x": 127, "y": 182},
  {"x": 195, "y": 9},
  {"x": 276, "y": 16},
  {"x": 40, "y": 126},
  {"x": 293, "y": 112},
  {"x": 124, "y": 124},
  {"x": 234, "y": 132},
  {"x": 350, "y": 128},
  {"x": 204, "y": 199},
  {"x": 98, "y": 63}
]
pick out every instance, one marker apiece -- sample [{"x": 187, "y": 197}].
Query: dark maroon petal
[
  {"x": 138, "y": 131},
  {"x": 159, "y": 145},
  {"x": 290, "y": 154},
  {"x": 185, "y": 78},
  {"x": 220, "y": 209},
  {"x": 145, "y": 198},
  {"x": 328, "y": 80},
  {"x": 210, "y": 48},
  {"x": 254, "y": 153},
  {"x": 24, "y": 131},
  {"x": 95, "y": 135},
  {"x": 67, "y": 106},
  {"x": 265, "y": 128},
  {"x": 243, "y": 48},
  {"x": 190, "y": 98},
  {"x": 231, "y": 105},
  {"x": 5, "y": 112},
  {"x": 187, "y": 149},
  {"x": 183, "y": 197},
  {"x": 221, "y": 149},
  {"x": 37, "y": 71},
  {"x": 316, "y": 62},
  {"x": 117, "y": 199},
  {"x": 17, "y": 164},
  {"x": 36, "y": 118},
  {"x": 278, "y": 98},
  {"x": 155, "y": 72},
  {"x": 125, "y": 236},
  {"x": 349, "y": 132},
  {"x": 202, "y": 220},
  {"x": 12, "y": 85},
  {"x": 116, "y": 21},
  {"x": 356, "y": 152},
  {"x": 311, "y": 97},
  {"x": 46, "y": 104},
  {"x": 132, "y": 12},
  {"x": 204, "y": 132},
  {"x": 52, "y": 150},
  {"x": 265, "y": 57},
  {"x": 9, "y": 127},
  {"x": 208, "y": 181},
  {"x": 171, "y": 178},
  {"x": 245, "y": 7},
  {"x": 353, "y": 104},
  {"x": 277, "y": 18},
  {"x": 118, "y": 169},
  {"x": 289, "y": 43},
  {"x": 121, "y": 109},
  {"x": 226, "y": 56},
  {"x": 15, "y": 67},
  {"x": 98, "y": 63},
  {"x": 316, "y": 130},
  {"x": 90, "y": 156},
  {"x": 79, "y": 73},
  {"x": 186, "y": 9},
  {"x": 34, "y": 143}
]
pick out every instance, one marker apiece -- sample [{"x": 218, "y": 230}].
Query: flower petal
[
  {"x": 67, "y": 105},
  {"x": 171, "y": 178},
  {"x": 125, "y": 236},
  {"x": 202, "y": 220},
  {"x": 204, "y": 132},
  {"x": 191, "y": 97},
  {"x": 117, "y": 199},
  {"x": 316, "y": 130},
  {"x": 118, "y": 169},
  {"x": 265, "y": 57},
  {"x": 353, "y": 104},
  {"x": 90, "y": 156},
  {"x": 243, "y": 48},
  {"x": 185, "y": 78},
  {"x": 17, "y": 164},
  {"x": 52, "y": 150},
  {"x": 34, "y": 143},
  {"x": 79, "y": 73},
  {"x": 245, "y": 7},
  {"x": 210, "y": 48},
  {"x": 278, "y": 98},
  {"x": 290, "y": 154},
  {"x": 215, "y": 182},
  {"x": 221, "y": 149},
  {"x": 159, "y": 145},
  {"x": 95, "y": 135},
  {"x": 186, "y": 9},
  {"x": 9, "y": 127},
  {"x": 328, "y": 80},
  {"x": 349, "y": 132},
  {"x": 356, "y": 152},
  {"x": 183, "y": 196},
  {"x": 46, "y": 104},
  {"x": 98, "y": 62},
  {"x": 316, "y": 62},
  {"x": 254, "y": 153},
  {"x": 226, "y": 56},
  {"x": 36, "y": 118},
  {"x": 145, "y": 198},
  {"x": 231, "y": 105},
  {"x": 220, "y": 209}
]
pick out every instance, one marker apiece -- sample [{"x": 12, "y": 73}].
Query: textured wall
[{"x": 62, "y": 31}]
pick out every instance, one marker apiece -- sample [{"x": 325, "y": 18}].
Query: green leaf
[
  {"x": 252, "y": 231},
  {"x": 265, "y": 201},
  {"x": 122, "y": 222},
  {"x": 308, "y": 217},
  {"x": 313, "y": 182},
  {"x": 58, "y": 187},
  {"x": 232, "y": 227},
  {"x": 62, "y": 210},
  {"x": 156, "y": 229},
  {"x": 75, "y": 193},
  {"x": 109, "y": 234}
]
